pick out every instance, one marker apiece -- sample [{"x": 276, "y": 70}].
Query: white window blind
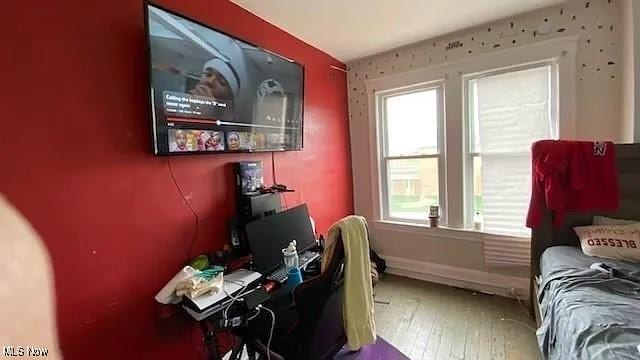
[{"x": 508, "y": 111}]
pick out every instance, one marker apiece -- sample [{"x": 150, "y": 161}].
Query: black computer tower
[{"x": 252, "y": 207}]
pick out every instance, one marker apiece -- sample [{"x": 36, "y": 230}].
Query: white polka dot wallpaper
[{"x": 599, "y": 87}]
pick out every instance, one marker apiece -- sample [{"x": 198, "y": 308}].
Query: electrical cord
[
  {"x": 186, "y": 202},
  {"x": 233, "y": 298},
  {"x": 273, "y": 325},
  {"x": 519, "y": 322},
  {"x": 255, "y": 315},
  {"x": 520, "y": 302}
]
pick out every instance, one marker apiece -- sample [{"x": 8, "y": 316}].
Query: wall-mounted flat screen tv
[{"x": 213, "y": 93}]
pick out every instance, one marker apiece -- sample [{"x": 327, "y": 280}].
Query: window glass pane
[
  {"x": 508, "y": 113},
  {"x": 412, "y": 123},
  {"x": 412, "y": 187}
]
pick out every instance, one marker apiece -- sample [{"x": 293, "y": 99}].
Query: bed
[{"x": 582, "y": 313}]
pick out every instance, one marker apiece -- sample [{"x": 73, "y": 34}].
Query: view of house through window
[{"x": 411, "y": 153}]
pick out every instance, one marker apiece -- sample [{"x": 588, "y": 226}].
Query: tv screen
[{"x": 213, "y": 93}]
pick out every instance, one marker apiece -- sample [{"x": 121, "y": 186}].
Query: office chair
[{"x": 317, "y": 331}]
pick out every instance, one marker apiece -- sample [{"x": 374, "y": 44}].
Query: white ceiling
[{"x": 351, "y": 29}]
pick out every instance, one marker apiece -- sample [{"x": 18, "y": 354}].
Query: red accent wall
[{"x": 76, "y": 161}]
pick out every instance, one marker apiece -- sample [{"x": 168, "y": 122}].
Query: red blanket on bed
[{"x": 572, "y": 176}]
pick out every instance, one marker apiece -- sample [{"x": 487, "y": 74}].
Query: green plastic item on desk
[
  {"x": 209, "y": 274},
  {"x": 200, "y": 263}
]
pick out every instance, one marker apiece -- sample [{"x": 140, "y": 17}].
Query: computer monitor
[{"x": 269, "y": 235}]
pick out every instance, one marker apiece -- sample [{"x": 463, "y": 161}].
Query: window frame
[
  {"x": 367, "y": 173},
  {"x": 381, "y": 98},
  {"x": 470, "y": 153}
]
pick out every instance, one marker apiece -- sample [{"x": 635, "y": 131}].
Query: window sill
[{"x": 440, "y": 231}]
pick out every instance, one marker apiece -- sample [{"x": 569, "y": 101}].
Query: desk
[{"x": 281, "y": 300}]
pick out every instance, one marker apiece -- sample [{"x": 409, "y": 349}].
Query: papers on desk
[
  {"x": 209, "y": 304},
  {"x": 190, "y": 282},
  {"x": 168, "y": 293}
]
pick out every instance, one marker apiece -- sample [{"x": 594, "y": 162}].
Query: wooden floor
[{"x": 431, "y": 321}]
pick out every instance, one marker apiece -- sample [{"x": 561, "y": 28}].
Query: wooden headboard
[{"x": 628, "y": 163}]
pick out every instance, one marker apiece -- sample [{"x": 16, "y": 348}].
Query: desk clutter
[
  {"x": 272, "y": 286},
  {"x": 234, "y": 286},
  {"x": 192, "y": 283},
  {"x": 287, "y": 317},
  {"x": 278, "y": 251}
]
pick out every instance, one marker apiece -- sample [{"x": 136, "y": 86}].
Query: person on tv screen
[
  {"x": 233, "y": 141},
  {"x": 218, "y": 81},
  {"x": 214, "y": 142},
  {"x": 179, "y": 143},
  {"x": 201, "y": 139}
]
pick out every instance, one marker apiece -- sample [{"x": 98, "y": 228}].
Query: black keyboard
[{"x": 280, "y": 275}]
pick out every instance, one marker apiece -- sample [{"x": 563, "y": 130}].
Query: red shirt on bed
[{"x": 572, "y": 176}]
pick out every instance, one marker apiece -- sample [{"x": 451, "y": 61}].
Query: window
[
  {"x": 459, "y": 135},
  {"x": 507, "y": 111},
  {"x": 410, "y": 153}
]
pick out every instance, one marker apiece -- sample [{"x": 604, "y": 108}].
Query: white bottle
[
  {"x": 290, "y": 256},
  {"x": 477, "y": 221}
]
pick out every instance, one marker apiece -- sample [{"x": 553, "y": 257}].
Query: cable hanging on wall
[{"x": 186, "y": 202}]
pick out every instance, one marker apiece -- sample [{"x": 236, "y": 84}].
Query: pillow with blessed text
[{"x": 618, "y": 242}]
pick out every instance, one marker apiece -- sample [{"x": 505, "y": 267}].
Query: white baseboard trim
[{"x": 488, "y": 283}]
